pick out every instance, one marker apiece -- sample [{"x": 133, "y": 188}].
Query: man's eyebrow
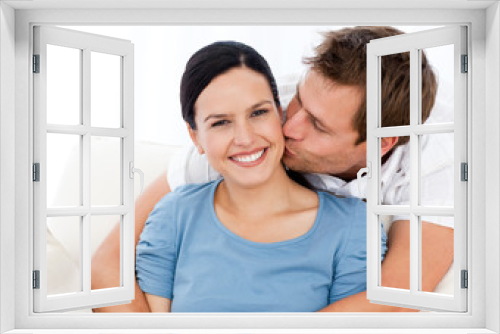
[
  {"x": 215, "y": 116},
  {"x": 318, "y": 121},
  {"x": 310, "y": 114}
]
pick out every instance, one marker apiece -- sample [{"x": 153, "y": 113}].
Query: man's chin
[{"x": 294, "y": 164}]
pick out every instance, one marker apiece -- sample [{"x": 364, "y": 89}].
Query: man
[{"x": 325, "y": 131}]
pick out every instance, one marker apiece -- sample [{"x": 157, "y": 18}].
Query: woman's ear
[
  {"x": 194, "y": 138},
  {"x": 387, "y": 143}
]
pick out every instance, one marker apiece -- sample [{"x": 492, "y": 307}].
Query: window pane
[
  {"x": 395, "y": 170},
  {"x": 444, "y": 260},
  {"x": 63, "y": 255},
  {"x": 106, "y": 171},
  {"x": 105, "y": 90},
  {"x": 404, "y": 268},
  {"x": 441, "y": 60},
  {"x": 63, "y": 170},
  {"x": 395, "y": 98},
  {"x": 437, "y": 169},
  {"x": 63, "y": 85},
  {"x": 100, "y": 227}
]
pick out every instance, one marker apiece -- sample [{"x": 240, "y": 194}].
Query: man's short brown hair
[{"x": 341, "y": 58}]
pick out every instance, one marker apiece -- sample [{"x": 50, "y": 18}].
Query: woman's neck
[{"x": 270, "y": 197}]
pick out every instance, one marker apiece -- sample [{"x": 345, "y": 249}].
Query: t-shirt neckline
[{"x": 256, "y": 244}]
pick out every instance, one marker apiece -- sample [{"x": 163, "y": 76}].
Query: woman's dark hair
[{"x": 214, "y": 60}]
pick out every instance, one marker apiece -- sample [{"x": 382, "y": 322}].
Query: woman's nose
[
  {"x": 244, "y": 134},
  {"x": 295, "y": 123}
]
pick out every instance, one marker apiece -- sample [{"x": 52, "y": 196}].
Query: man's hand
[
  {"x": 437, "y": 257},
  {"x": 106, "y": 260}
]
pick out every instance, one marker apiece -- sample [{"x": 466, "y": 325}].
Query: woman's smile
[{"x": 249, "y": 159}]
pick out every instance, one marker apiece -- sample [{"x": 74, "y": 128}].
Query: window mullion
[
  {"x": 414, "y": 171},
  {"x": 86, "y": 177},
  {"x": 422, "y": 129}
]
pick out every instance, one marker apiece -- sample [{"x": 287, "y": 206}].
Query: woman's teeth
[{"x": 249, "y": 158}]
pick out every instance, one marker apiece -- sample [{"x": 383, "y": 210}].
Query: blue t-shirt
[{"x": 186, "y": 254}]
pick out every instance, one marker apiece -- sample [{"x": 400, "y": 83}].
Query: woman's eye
[
  {"x": 259, "y": 112},
  {"x": 219, "y": 123}
]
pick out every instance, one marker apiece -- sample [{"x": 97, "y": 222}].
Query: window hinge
[
  {"x": 36, "y": 172},
  {"x": 36, "y": 279},
  {"x": 464, "y": 171},
  {"x": 465, "y": 64},
  {"x": 465, "y": 279},
  {"x": 36, "y": 63}
]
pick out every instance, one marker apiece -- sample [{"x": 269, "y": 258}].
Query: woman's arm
[
  {"x": 106, "y": 260},
  {"x": 437, "y": 256},
  {"x": 158, "y": 304}
]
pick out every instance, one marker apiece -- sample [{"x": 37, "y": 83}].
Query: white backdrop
[{"x": 162, "y": 52}]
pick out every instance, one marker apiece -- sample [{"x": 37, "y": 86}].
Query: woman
[{"x": 255, "y": 241}]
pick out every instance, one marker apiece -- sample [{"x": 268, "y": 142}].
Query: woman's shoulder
[
  {"x": 188, "y": 193},
  {"x": 342, "y": 203},
  {"x": 343, "y": 211}
]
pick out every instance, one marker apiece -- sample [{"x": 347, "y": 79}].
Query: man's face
[{"x": 319, "y": 132}]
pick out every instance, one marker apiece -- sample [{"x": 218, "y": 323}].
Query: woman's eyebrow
[{"x": 258, "y": 104}]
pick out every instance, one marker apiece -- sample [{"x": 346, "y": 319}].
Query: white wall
[
  {"x": 23, "y": 204},
  {"x": 7, "y": 189},
  {"x": 492, "y": 166}
]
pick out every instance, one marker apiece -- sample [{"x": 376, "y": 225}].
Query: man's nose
[{"x": 294, "y": 127}]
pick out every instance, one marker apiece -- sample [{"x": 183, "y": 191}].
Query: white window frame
[
  {"x": 86, "y": 44},
  {"x": 416, "y": 43},
  {"x": 485, "y": 46}
]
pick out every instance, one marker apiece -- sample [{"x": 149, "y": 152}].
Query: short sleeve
[
  {"x": 350, "y": 270},
  {"x": 190, "y": 167},
  {"x": 156, "y": 253}
]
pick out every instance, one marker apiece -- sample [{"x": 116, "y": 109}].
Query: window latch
[
  {"x": 133, "y": 170},
  {"x": 368, "y": 171}
]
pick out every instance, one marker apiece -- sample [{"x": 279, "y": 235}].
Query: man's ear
[
  {"x": 194, "y": 138},
  {"x": 387, "y": 143}
]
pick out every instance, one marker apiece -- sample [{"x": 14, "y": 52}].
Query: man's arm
[
  {"x": 437, "y": 256},
  {"x": 106, "y": 260}
]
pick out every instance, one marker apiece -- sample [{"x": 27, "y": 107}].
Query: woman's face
[{"x": 239, "y": 127}]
